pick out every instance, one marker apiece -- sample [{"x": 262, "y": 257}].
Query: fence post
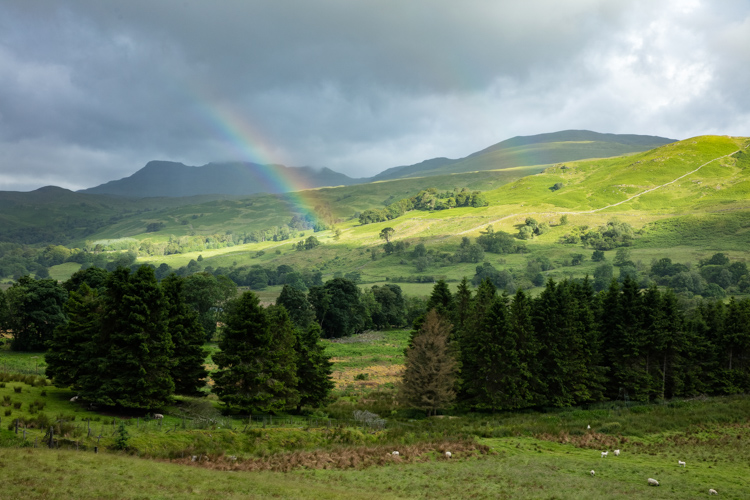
[
  {"x": 16, "y": 426},
  {"x": 51, "y": 437}
]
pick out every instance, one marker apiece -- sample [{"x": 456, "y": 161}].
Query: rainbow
[{"x": 250, "y": 145}]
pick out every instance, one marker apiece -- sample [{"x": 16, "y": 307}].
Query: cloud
[{"x": 90, "y": 91}]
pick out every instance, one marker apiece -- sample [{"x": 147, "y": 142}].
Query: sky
[{"x": 92, "y": 90}]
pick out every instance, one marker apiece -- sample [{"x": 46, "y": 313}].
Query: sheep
[
  {"x": 158, "y": 416},
  {"x": 653, "y": 482},
  {"x": 680, "y": 463},
  {"x": 588, "y": 427},
  {"x": 395, "y": 453},
  {"x": 194, "y": 458},
  {"x": 604, "y": 454},
  {"x": 74, "y": 399},
  {"x": 448, "y": 454},
  {"x": 592, "y": 473},
  {"x": 713, "y": 492},
  {"x": 617, "y": 453}
]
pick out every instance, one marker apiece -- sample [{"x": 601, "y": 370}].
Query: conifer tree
[
  {"x": 257, "y": 362},
  {"x": 430, "y": 368},
  {"x": 137, "y": 348},
  {"x": 314, "y": 368},
  {"x": 734, "y": 347},
  {"x": 188, "y": 371},
  {"x": 473, "y": 345},
  {"x": 70, "y": 350},
  {"x": 441, "y": 299},
  {"x": 521, "y": 326},
  {"x": 462, "y": 302}
]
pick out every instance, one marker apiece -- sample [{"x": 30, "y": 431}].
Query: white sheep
[
  {"x": 74, "y": 399},
  {"x": 395, "y": 453},
  {"x": 713, "y": 492},
  {"x": 588, "y": 427},
  {"x": 158, "y": 416},
  {"x": 680, "y": 463},
  {"x": 653, "y": 482},
  {"x": 592, "y": 473},
  {"x": 448, "y": 454},
  {"x": 194, "y": 458},
  {"x": 617, "y": 453},
  {"x": 604, "y": 454}
]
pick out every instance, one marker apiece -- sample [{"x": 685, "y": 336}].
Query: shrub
[
  {"x": 610, "y": 427},
  {"x": 17, "y": 405},
  {"x": 8, "y": 412},
  {"x": 17, "y": 389}
]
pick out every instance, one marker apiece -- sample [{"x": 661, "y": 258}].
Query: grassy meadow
[{"x": 327, "y": 454}]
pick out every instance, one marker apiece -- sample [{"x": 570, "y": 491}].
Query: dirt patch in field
[
  {"x": 345, "y": 458},
  {"x": 590, "y": 440},
  {"x": 376, "y": 375}
]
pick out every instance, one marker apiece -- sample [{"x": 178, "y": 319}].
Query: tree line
[
  {"x": 571, "y": 346},
  {"x": 124, "y": 339},
  {"x": 427, "y": 199}
]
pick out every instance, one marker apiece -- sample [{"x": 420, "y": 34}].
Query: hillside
[
  {"x": 166, "y": 178},
  {"x": 542, "y": 149},
  {"x": 686, "y": 200}
]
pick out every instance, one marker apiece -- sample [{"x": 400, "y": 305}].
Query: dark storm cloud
[{"x": 91, "y": 90}]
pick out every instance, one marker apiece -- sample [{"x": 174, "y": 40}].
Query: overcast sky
[{"x": 91, "y": 90}]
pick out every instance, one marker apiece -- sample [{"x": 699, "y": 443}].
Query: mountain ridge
[
  {"x": 161, "y": 178},
  {"x": 173, "y": 179}
]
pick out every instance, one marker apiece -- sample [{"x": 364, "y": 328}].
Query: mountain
[
  {"x": 166, "y": 178},
  {"x": 542, "y": 149}
]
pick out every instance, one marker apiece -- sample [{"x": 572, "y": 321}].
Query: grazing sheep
[
  {"x": 617, "y": 453},
  {"x": 194, "y": 458},
  {"x": 593, "y": 473},
  {"x": 653, "y": 482},
  {"x": 158, "y": 416},
  {"x": 680, "y": 463},
  {"x": 395, "y": 453},
  {"x": 604, "y": 454},
  {"x": 588, "y": 427},
  {"x": 74, "y": 399},
  {"x": 448, "y": 454},
  {"x": 713, "y": 492}
]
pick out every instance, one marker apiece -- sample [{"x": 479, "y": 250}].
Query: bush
[
  {"x": 610, "y": 428},
  {"x": 17, "y": 389}
]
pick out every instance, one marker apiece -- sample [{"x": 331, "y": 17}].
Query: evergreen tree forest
[
  {"x": 126, "y": 340},
  {"x": 571, "y": 346}
]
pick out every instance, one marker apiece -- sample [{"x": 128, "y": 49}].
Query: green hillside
[
  {"x": 686, "y": 200},
  {"x": 542, "y": 149}
]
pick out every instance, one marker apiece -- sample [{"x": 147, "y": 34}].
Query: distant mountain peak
[{"x": 173, "y": 179}]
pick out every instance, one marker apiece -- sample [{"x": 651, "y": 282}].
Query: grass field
[{"x": 508, "y": 455}]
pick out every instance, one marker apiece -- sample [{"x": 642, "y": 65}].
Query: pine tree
[
  {"x": 188, "y": 371},
  {"x": 131, "y": 364},
  {"x": 473, "y": 345},
  {"x": 257, "y": 362},
  {"x": 441, "y": 299},
  {"x": 462, "y": 302},
  {"x": 314, "y": 368},
  {"x": 521, "y": 326},
  {"x": 430, "y": 368},
  {"x": 69, "y": 351}
]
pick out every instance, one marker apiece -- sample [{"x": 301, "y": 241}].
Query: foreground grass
[{"x": 523, "y": 468}]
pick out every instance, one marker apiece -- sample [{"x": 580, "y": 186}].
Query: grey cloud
[{"x": 99, "y": 88}]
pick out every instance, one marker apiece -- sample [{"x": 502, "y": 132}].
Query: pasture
[{"x": 330, "y": 454}]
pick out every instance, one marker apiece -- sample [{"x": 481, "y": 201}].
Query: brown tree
[{"x": 430, "y": 372}]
